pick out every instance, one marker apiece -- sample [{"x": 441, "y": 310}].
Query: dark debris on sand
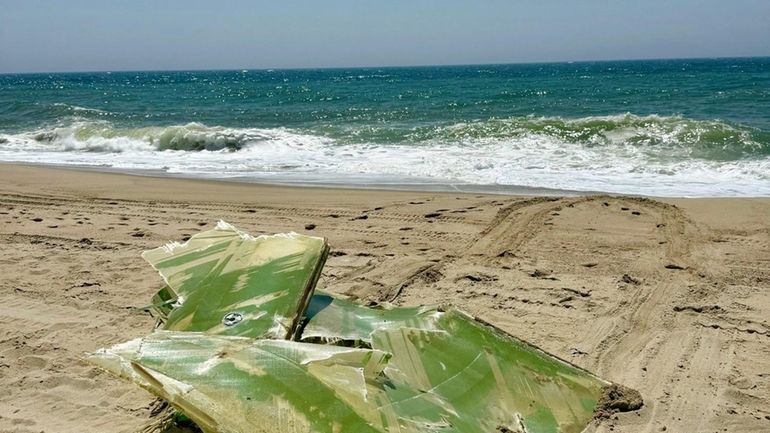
[{"x": 617, "y": 398}]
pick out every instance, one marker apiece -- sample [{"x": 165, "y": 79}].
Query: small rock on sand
[
  {"x": 628, "y": 279},
  {"x": 617, "y": 398}
]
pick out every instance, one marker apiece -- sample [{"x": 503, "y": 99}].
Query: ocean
[{"x": 660, "y": 127}]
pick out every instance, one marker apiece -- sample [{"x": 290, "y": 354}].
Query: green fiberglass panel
[
  {"x": 333, "y": 319},
  {"x": 486, "y": 376},
  {"x": 231, "y": 303},
  {"x": 469, "y": 367},
  {"x": 229, "y": 283},
  {"x": 459, "y": 377},
  {"x": 236, "y": 384}
]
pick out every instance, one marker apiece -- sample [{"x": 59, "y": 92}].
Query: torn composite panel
[
  {"x": 265, "y": 281},
  {"x": 410, "y": 369}
]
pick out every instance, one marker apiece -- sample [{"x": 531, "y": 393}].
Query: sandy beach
[{"x": 669, "y": 297}]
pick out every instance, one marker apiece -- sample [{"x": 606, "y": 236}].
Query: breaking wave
[
  {"x": 708, "y": 139},
  {"x": 103, "y": 137},
  {"x": 654, "y": 155}
]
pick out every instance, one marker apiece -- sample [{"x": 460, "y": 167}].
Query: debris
[
  {"x": 675, "y": 266},
  {"x": 617, "y": 398},
  {"x": 244, "y": 336},
  {"x": 309, "y": 226},
  {"x": 267, "y": 279},
  {"x": 628, "y": 279}
]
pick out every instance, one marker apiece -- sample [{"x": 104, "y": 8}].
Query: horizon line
[{"x": 104, "y": 71}]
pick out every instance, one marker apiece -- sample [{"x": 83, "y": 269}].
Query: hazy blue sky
[{"x": 81, "y": 35}]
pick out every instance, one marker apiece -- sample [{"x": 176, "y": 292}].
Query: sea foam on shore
[{"x": 652, "y": 155}]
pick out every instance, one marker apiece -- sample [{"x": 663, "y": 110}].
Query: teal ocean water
[{"x": 666, "y": 127}]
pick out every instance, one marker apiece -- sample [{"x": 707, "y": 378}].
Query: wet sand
[{"x": 670, "y": 297}]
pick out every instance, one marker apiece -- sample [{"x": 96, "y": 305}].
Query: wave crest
[
  {"x": 656, "y": 136},
  {"x": 625, "y": 153},
  {"x": 708, "y": 139},
  {"x": 103, "y": 137}
]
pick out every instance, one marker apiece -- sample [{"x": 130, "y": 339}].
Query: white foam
[{"x": 529, "y": 159}]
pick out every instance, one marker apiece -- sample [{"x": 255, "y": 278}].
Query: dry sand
[{"x": 670, "y": 297}]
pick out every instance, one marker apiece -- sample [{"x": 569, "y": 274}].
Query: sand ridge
[{"x": 669, "y": 297}]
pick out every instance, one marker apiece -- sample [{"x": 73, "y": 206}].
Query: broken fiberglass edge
[{"x": 247, "y": 346}]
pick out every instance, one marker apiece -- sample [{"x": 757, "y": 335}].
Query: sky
[{"x": 112, "y": 35}]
